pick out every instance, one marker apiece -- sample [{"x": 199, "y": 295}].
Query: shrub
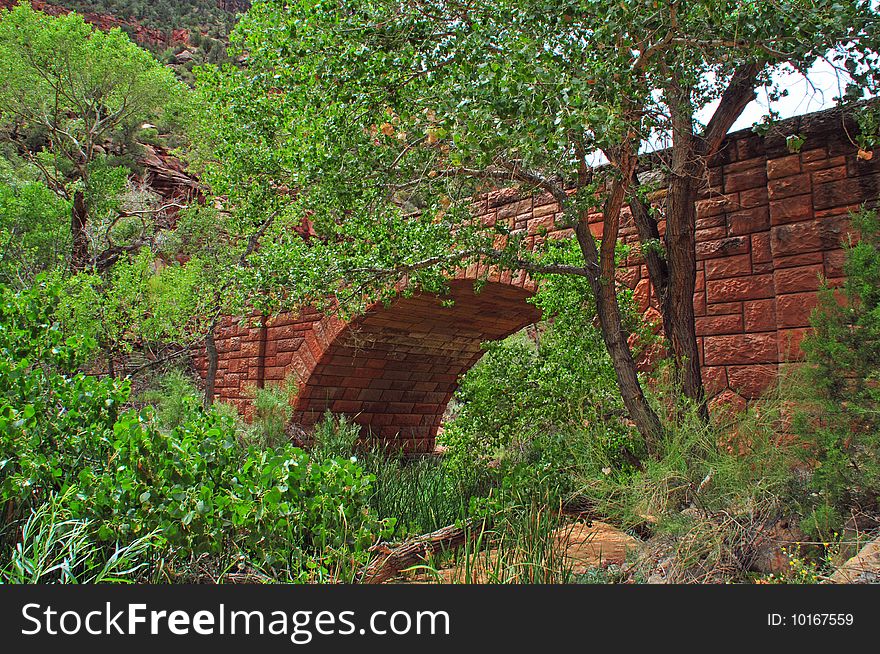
[
  {"x": 271, "y": 414},
  {"x": 193, "y": 484},
  {"x": 840, "y": 422},
  {"x": 539, "y": 390}
]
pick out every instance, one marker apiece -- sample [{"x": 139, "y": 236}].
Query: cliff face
[{"x": 145, "y": 36}]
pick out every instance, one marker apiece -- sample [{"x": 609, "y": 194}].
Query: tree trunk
[
  {"x": 681, "y": 220},
  {"x": 611, "y": 327},
  {"x": 658, "y": 270},
  {"x": 79, "y": 219}
]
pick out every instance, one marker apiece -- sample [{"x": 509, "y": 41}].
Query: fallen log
[{"x": 393, "y": 559}]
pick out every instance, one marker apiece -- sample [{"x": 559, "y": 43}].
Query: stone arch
[{"x": 394, "y": 369}]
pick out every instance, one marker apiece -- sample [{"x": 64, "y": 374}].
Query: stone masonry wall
[{"x": 770, "y": 225}]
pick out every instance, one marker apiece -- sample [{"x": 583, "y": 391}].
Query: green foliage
[
  {"x": 34, "y": 230},
  {"x": 174, "y": 398},
  {"x": 387, "y": 119},
  {"x": 271, "y": 414},
  {"x": 335, "y": 436},
  {"x": 535, "y": 391},
  {"x": 193, "y": 485},
  {"x": 80, "y": 84},
  {"x": 139, "y": 303},
  {"x": 72, "y": 100},
  {"x": 841, "y": 418}
]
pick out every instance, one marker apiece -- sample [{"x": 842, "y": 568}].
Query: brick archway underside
[{"x": 394, "y": 369}]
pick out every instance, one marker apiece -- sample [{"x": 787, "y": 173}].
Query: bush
[
  {"x": 272, "y": 413},
  {"x": 174, "y": 399},
  {"x": 193, "y": 484},
  {"x": 840, "y": 420}
]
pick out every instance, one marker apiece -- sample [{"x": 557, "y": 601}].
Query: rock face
[
  {"x": 146, "y": 36},
  {"x": 863, "y": 568},
  {"x": 167, "y": 176},
  {"x": 595, "y": 545}
]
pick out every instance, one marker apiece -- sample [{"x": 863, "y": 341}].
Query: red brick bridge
[{"x": 770, "y": 222}]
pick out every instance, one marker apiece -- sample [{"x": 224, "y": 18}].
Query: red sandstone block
[
  {"x": 784, "y": 166},
  {"x": 370, "y": 394},
  {"x": 825, "y": 162},
  {"x": 792, "y": 209},
  {"x": 834, "y": 261},
  {"x": 740, "y": 288},
  {"x": 427, "y": 409},
  {"x": 641, "y": 295},
  {"x": 711, "y": 234},
  {"x": 543, "y": 210},
  {"x": 350, "y": 393},
  {"x": 761, "y": 248},
  {"x": 755, "y": 197},
  {"x": 628, "y": 276},
  {"x": 744, "y": 163},
  {"x": 250, "y": 349},
  {"x": 408, "y": 419},
  {"x": 750, "y": 147},
  {"x": 752, "y": 381},
  {"x": 752, "y": 220},
  {"x": 740, "y": 349},
  {"x": 760, "y": 315},
  {"x": 843, "y": 192},
  {"x": 813, "y": 154},
  {"x": 723, "y": 308},
  {"x": 714, "y": 379},
  {"x": 794, "y": 310},
  {"x": 793, "y": 280},
  {"x": 512, "y": 209},
  {"x": 829, "y": 175},
  {"x": 790, "y": 343},
  {"x": 795, "y": 238},
  {"x": 724, "y": 324},
  {"x": 700, "y": 281},
  {"x": 288, "y": 344},
  {"x": 733, "y": 266},
  {"x": 723, "y": 247},
  {"x": 836, "y": 230},
  {"x": 700, "y": 303},
  {"x": 796, "y": 260},
  {"x": 717, "y": 205},
  {"x": 787, "y": 187},
  {"x": 711, "y": 221},
  {"x": 745, "y": 179}
]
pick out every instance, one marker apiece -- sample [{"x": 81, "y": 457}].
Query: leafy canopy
[
  {"x": 380, "y": 120},
  {"x": 76, "y": 86}
]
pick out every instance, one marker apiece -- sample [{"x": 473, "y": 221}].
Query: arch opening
[{"x": 394, "y": 370}]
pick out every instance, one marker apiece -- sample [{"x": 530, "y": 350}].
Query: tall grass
[{"x": 56, "y": 548}]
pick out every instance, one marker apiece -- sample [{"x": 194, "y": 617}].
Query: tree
[
  {"x": 72, "y": 97},
  {"x": 380, "y": 121}
]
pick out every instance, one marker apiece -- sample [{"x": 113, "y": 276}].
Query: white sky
[{"x": 803, "y": 97}]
